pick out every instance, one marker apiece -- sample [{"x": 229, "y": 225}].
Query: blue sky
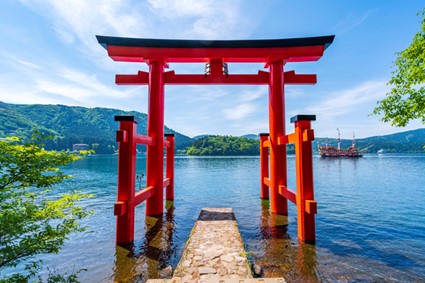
[{"x": 49, "y": 55}]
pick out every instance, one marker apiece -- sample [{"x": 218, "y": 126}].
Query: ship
[{"x": 336, "y": 152}]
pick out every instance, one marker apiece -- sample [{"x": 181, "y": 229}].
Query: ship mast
[
  {"x": 354, "y": 140},
  {"x": 339, "y": 139}
]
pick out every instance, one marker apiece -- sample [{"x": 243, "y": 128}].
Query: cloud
[
  {"x": 90, "y": 83},
  {"x": 28, "y": 64},
  {"x": 61, "y": 87},
  {"x": 181, "y": 8},
  {"x": 78, "y": 21},
  {"x": 252, "y": 94},
  {"x": 240, "y": 111},
  {"x": 293, "y": 91},
  {"x": 349, "y": 23},
  {"x": 209, "y": 19},
  {"x": 349, "y": 100}
]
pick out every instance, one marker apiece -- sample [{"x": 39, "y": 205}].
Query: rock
[
  {"x": 258, "y": 271},
  {"x": 186, "y": 263},
  {"x": 166, "y": 273},
  {"x": 206, "y": 270},
  {"x": 226, "y": 258},
  {"x": 211, "y": 254}
]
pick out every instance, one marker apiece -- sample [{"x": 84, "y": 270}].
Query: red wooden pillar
[
  {"x": 155, "y": 152},
  {"x": 170, "y": 166},
  {"x": 306, "y": 206},
  {"x": 124, "y": 207},
  {"x": 278, "y": 203},
  {"x": 264, "y": 166}
]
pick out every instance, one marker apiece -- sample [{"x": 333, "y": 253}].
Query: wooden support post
[
  {"x": 278, "y": 177},
  {"x": 170, "y": 166},
  {"x": 306, "y": 206},
  {"x": 155, "y": 153},
  {"x": 124, "y": 207},
  {"x": 264, "y": 166}
]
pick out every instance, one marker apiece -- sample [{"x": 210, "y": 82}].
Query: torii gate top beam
[
  {"x": 192, "y": 51},
  {"x": 215, "y": 52}
]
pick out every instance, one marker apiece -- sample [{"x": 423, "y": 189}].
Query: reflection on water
[
  {"x": 277, "y": 254},
  {"x": 144, "y": 259}
]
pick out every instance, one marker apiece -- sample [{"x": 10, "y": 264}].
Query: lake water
[{"x": 370, "y": 224}]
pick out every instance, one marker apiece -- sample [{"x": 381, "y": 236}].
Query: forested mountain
[
  {"x": 409, "y": 141},
  {"x": 96, "y": 127},
  {"x": 223, "y": 145},
  {"x": 72, "y": 125}
]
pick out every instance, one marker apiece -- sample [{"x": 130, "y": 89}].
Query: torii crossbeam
[{"x": 216, "y": 54}]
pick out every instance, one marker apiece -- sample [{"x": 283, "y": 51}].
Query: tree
[
  {"x": 32, "y": 221},
  {"x": 406, "y": 100}
]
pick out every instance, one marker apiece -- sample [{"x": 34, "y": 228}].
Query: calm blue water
[{"x": 370, "y": 222}]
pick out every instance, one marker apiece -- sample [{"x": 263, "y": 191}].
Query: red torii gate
[{"x": 157, "y": 53}]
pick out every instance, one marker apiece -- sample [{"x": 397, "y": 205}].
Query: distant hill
[
  {"x": 409, "y": 141},
  {"x": 200, "y": 137},
  {"x": 96, "y": 127},
  {"x": 251, "y": 137},
  {"x": 70, "y": 125},
  {"x": 223, "y": 145}
]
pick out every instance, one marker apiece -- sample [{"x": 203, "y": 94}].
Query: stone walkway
[
  {"x": 215, "y": 249},
  {"x": 215, "y": 253}
]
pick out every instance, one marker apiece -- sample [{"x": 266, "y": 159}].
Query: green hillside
[
  {"x": 96, "y": 127},
  {"x": 409, "y": 141},
  {"x": 404, "y": 142},
  {"x": 71, "y": 125},
  {"x": 223, "y": 145}
]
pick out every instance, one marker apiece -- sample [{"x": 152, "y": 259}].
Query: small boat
[
  {"x": 331, "y": 151},
  {"x": 380, "y": 151}
]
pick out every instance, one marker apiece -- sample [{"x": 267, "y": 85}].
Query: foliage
[
  {"x": 406, "y": 100},
  {"x": 224, "y": 145},
  {"x": 32, "y": 221},
  {"x": 72, "y": 125}
]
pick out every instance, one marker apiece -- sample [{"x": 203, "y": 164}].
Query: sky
[{"x": 49, "y": 55}]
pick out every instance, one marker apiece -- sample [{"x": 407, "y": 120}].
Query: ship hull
[
  {"x": 325, "y": 155},
  {"x": 332, "y": 152}
]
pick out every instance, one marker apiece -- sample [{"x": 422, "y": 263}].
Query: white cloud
[
  {"x": 240, "y": 111},
  {"x": 209, "y": 19},
  {"x": 28, "y": 64},
  {"x": 253, "y": 94},
  {"x": 90, "y": 83},
  {"x": 349, "y": 23},
  {"x": 345, "y": 101},
  {"x": 181, "y": 8},
  {"x": 78, "y": 21},
  {"x": 293, "y": 91},
  {"x": 61, "y": 87}
]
